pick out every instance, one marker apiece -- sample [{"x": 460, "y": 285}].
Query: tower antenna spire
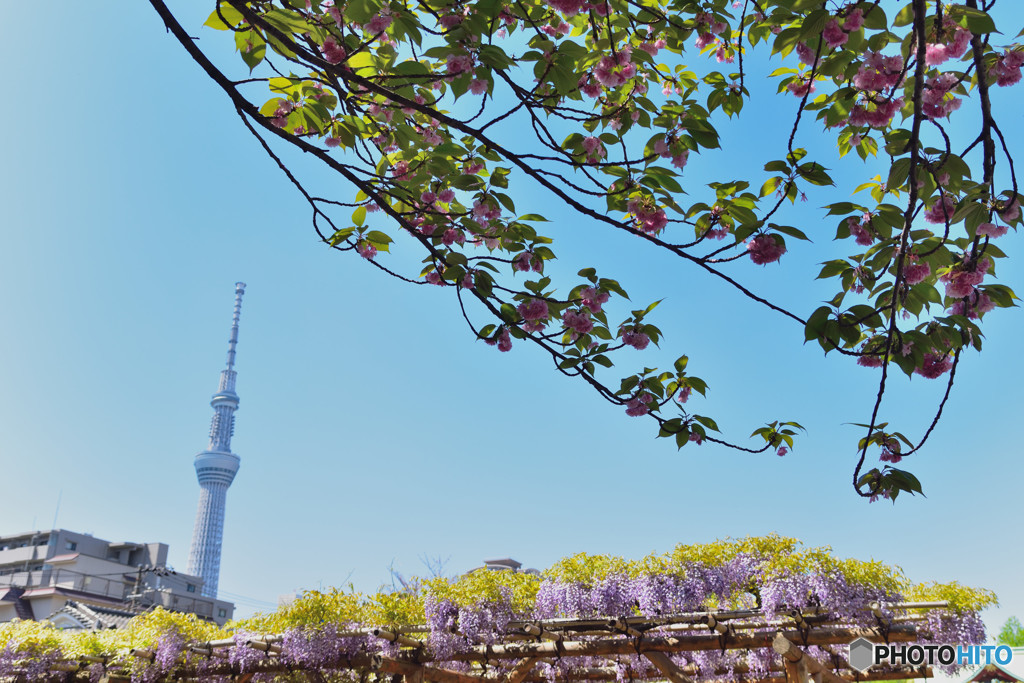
[{"x": 216, "y": 468}]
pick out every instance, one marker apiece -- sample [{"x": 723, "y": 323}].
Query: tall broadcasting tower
[{"x": 216, "y": 468}]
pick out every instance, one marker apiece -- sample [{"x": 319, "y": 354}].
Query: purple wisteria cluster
[
  {"x": 34, "y": 664},
  {"x": 319, "y": 648}
]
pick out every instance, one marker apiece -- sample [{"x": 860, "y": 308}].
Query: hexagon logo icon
[{"x": 861, "y": 654}]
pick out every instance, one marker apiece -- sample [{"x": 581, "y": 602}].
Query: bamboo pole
[
  {"x": 538, "y": 632},
  {"x": 715, "y": 625},
  {"x": 623, "y": 626},
  {"x": 690, "y": 643},
  {"x": 397, "y": 638}
]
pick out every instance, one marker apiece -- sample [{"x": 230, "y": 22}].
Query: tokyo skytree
[{"x": 216, "y": 468}]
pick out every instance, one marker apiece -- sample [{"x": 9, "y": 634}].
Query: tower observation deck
[{"x": 216, "y": 468}]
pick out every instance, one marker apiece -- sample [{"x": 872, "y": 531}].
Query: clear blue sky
[{"x": 373, "y": 429}]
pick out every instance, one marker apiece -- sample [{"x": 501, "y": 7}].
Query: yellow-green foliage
[
  {"x": 960, "y": 598},
  {"x": 336, "y": 606},
  {"x": 145, "y": 630},
  {"x": 782, "y": 555},
  {"x": 487, "y": 586},
  {"x": 37, "y": 636},
  {"x": 588, "y": 569}
]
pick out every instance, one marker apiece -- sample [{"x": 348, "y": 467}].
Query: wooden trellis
[{"x": 518, "y": 655}]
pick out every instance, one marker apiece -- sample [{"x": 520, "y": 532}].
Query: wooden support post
[
  {"x": 415, "y": 676},
  {"x": 428, "y": 673},
  {"x": 521, "y": 670},
  {"x": 666, "y": 666},
  {"x": 792, "y": 655},
  {"x": 795, "y": 672}
]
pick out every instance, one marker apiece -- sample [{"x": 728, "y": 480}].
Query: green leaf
[
  {"x": 232, "y": 16},
  {"x": 378, "y": 238},
  {"x": 977, "y": 21},
  {"x": 251, "y": 46},
  {"x": 904, "y": 17},
  {"x": 898, "y": 173},
  {"x": 359, "y": 215}
]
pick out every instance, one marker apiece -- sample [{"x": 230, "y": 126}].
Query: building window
[
  {"x": 191, "y": 588},
  {"x": 71, "y": 545},
  {"x": 222, "y": 612}
]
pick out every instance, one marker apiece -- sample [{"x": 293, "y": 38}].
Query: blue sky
[{"x": 373, "y": 429}]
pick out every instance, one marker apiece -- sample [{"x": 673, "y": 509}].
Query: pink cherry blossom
[
  {"x": 569, "y": 8},
  {"x": 637, "y": 406},
  {"x": 890, "y": 451},
  {"x": 805, "y": 53},
  {"x": 934, "y": 365},
  {"x": 781, "y": 451},
  {"x": 453, "y": 235},
  {"x": 934, "y": 101},
  {"x": 528, "y": 261},
  {"x": 379, "y": 23},
  {"x": 696, "y": 438},
  {"x": 638, "y": 340},
  {"x": 366, "y": 250},
  {"x": 504, "y": 341},
  {"x": 1006, "y": 70},
  {"x": 332, "y": 52},
  {"x": 975, "y": 304},
  {"x": 916, "y": 272},
  {"x": 457, "y": 64},
  {"x": 878, "y": 72},
  {"x": 801, "y": 86},
  {"x": 877, "y": 114},
  {"x": 590, "y": 87},
  {"x": 649, "y": 217},
  {"x": 593, "y": 298},
  {"x": 870, "y": 361},
  {"x": 992, "y": 230},
  {"x": 594, "y": 149},
  {"x": 1010, "y": 212},
  {"x": 764, "y": 249},
  {"x": 854, "y": 21},
  {"x": 941, "y": 211},
  {"x": 961, "y": 280},
  {"x": 684, "y": 394},
  {"x": 533, "y": 309},
  {"x": 577, "y": 321},
  {"x": 834, "y": 35},
  {"x": 861, "y": 232},
  {"x": 937, "y": 53}
]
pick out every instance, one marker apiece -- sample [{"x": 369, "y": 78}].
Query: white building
[{"x": 41, "y": 571}]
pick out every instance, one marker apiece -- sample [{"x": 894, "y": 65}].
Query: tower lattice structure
[{"x": 216, "y": 468}]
